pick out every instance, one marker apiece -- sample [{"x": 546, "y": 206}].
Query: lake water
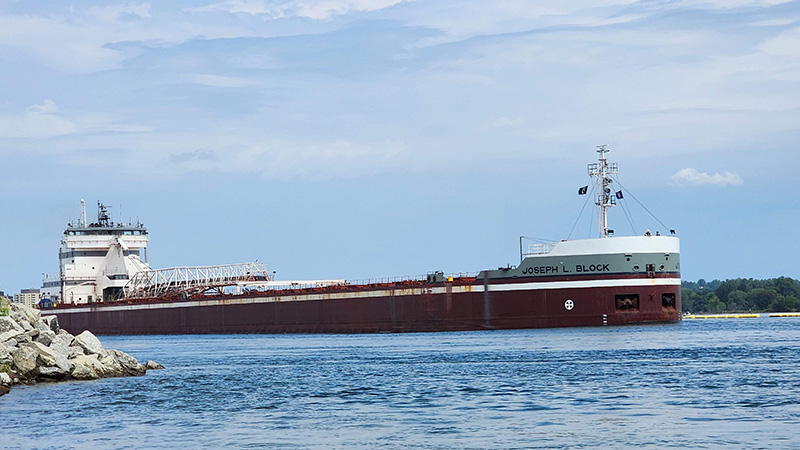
[{"x": 697, "y": 384}]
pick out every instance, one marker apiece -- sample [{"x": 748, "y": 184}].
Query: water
[{"x": 698, "y": 384}]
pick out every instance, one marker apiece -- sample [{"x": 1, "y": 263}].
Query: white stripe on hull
[{"x": 399, "y": 292}]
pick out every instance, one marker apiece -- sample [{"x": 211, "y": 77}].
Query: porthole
[
  {"x": 662, "y": 267},
  {"x": 636, "y": 268}
]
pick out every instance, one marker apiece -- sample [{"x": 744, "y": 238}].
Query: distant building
[{"x": 28, "y": 297}]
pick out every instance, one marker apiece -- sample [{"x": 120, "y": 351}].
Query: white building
[
  {"x": 28, "y": 297},
  {"x": 96, "y": 260}
]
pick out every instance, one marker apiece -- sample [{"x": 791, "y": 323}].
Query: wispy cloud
[
  {"x": 45, "y": 120},
  {"x": 37, "y": 121},
  {"x": 47, "y": 107},
  {"x": 695, "y": 177},
  {"x": 504, "y": 121},
  {"x": 312, "y": 9}
]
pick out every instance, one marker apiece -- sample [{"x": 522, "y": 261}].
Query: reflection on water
[{"x": 694, "y": 384}]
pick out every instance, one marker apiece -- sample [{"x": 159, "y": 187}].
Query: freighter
[{"x": 105, "y": 285}]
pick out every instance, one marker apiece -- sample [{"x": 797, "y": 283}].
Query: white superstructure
[{"x": 96, "y": 260}]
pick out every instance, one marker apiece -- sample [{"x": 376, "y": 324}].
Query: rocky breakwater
[{"x": 33, "y": 348}]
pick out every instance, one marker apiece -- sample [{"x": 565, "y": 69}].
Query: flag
[
  {"x": 619, "y": 194},
  {"x": 582, "y": 190}
]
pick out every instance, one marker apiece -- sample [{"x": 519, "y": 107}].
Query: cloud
[
  {"x": 504, "y": 121},
  {"x": 196, "y": 155},
  {"x": 312, "y": 9},
  {"x": 43, "y": 121},
  {"x": 318, "y": 159},
  {"x": 38, "y": 121},
  {"x": 48, "y": 107},
  {"x": 217, "y": 80},
  {"x": 692, "y": 176},
  {"x": 112, "y": 13}
]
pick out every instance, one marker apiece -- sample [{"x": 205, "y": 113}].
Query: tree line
[{"x": 741, "y": 295}]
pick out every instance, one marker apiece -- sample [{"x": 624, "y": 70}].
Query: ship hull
[{"x": 480, "y": 305}]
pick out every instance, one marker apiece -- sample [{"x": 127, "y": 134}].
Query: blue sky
[{"x": 368, "y": 138}]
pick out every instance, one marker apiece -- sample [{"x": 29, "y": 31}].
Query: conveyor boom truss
[{"x": 186, "y": 281}]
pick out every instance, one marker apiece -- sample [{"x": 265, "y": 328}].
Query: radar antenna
[
  {"x": 605, "y": 200},
  {"x": 103, "y": 219}
]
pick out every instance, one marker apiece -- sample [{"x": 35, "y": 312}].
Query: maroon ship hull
[{"x": 448, "y": 306}]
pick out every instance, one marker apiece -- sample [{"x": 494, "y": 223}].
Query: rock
[
  {"x": 5, "y": 379},
  {"x": 24, "y": 359},
  {"x": 5, "y": 355},
  {"x": 66, "y": 335},
  {"x": 88, "y": 342},
  {"x": 74, "y": 352},
  {"x": 120, "y": 364},
  {"x": 111, "y": 367},
  {"x": 152, "y": 365},
  {"x": 45, "y": 337},
  {"x": 41, "y": 326},
  {"x": 87, "y": 367},
  {"x": 32, "y": 314},
  {"x": 32, "y": 333},
  {"x": 63, "y": 339},
  {"x": 49, "y": 354},
  {"x": 53, "y": 372},
  {"x": 52, "y": 322},
  {"x": 9, "y": 324},
  {"x": 4, "y": 390},
  {"x": 23, "y": 339},
  {"x": 10, "y": 334},
  {"x": 84, "y": 373},
  {"x": 52, "y": 363},
  {"x": 21, "y": 320}
]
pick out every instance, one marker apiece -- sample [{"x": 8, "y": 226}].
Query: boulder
[
  {"x": 23, "y": 339},
  {"x": 74, "y": 352},
  {"x": 45, "y": 337},
  {"x": 41, "y": 326},
  {"x": 9, "y": 324},
  {"x": 5, "y": 379},
  {"x": 121, "y": 364},
  {"x": 88, "y": 342},
  {"x": 111, "y": 367},
  {"x": 152, "y": 365},
  {"x": 52, "y": 322},
  {"x": 63, "y": 339},
  {"x": 21, "y": 320},
  {"x": 5, "y": 355},
  {"x": 52, "y": 363},
  {"x": 3, "y": 390},
  {"x": 32, "y": 314},
  {"x": 24, "y": 359},
  {"x": 10, "y": 334},
  {"x": 86, "y": 367},
  {"x": 53, "y": 372}
]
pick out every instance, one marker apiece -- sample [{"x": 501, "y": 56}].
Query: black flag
[
  {"x": 619, "y": 194},
  {"x": 582, "y": 190}
]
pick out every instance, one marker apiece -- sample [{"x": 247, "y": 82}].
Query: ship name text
[{"x": 580, "y": 268}]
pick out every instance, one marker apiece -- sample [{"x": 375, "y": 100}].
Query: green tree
[
  {"x": 688, "y": 300},
  {"x": 714, "y": 304},
  {"x": 737, "y": 301},
  {"x": 785, "y": 303},
  {"x": 761, "y": 298},
  {"x": 787, "y": 286}
]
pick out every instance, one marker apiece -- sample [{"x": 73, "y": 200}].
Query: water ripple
[{"x": 696, "y": 384}]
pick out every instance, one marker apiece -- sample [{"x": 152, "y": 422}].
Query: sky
[{"x": 374, "y": 138}]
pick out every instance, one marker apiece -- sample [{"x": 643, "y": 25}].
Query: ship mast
[{"x": 601, "y": 171}]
